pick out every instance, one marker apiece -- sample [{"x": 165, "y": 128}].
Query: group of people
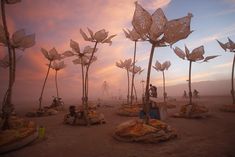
[
  {"x": 153, "y": 92},
  {"x": 195, "y": 94}
]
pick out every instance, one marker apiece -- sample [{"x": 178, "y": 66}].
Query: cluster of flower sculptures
[{"x": 155, "y": 29}]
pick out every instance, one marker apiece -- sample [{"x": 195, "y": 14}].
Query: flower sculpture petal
[
  {"x": 68, "y": 54},
  {"x": 51, "y": 55},
  {"x": 108, "y": 40},
  {"x": 54, "y": 55},
  {"x": 135, "y": 70},
  {"x": 58, "y": 65},
  {"x": 28, "y": 41},
  {"x": 209, "y": 58},
  {"x": 120, "y": 64},
  {"x": 230, "y": 45},
  {"x": 161, "y": 67},
  {"x": 89, "y": 50},
  {"x": 224, "y": 46},
  {"x": 142, "y": 20},
  {"x": 158, "y": 66},
  {"x": 159, "y": 21},
  {"x": 186, "y": 51},
  {"x": 20, "y": 40},
  {"x": 166, "y": 65},
  {"x": 75, "y": 46},
  {"x": 126, "y": 64},
  {"x": 180, "y": 53},
  {"x": 18, "y": 36},
  {"x": 85, "y": 37},
  {"x": 100, "y": 36},
  {"x": 197, "y": 54},
  {"x": 132, "y": 35},
  {"x": 177, "y": 29}
]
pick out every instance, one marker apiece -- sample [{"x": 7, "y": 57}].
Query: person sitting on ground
[
  {"x": 195, "y": 93},
  {"x": 153, "y": 91},
  {"x": 72, "y": 111},
  {"x": 185, "y": 94}
]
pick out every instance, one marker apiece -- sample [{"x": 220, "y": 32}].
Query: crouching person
[{"x": 72, "y": 116}]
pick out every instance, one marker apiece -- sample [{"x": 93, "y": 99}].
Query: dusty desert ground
[{"x": 211, "y": 137}]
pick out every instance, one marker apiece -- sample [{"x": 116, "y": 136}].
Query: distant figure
[
  {"x": 153, "y": 91},
  {"x": 185, "y": 94},
  {"x": 195, "y": 93},
  {"x": 165, "y": 95},
  {"x": 105, "y": 89}
]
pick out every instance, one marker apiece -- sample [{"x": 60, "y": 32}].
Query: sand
[{"x": 211, "y": 137}]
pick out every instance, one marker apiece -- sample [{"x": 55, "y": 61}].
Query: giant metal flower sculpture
[
  {"x": 51, "y": 56},
  {"x": 197, "y": 54},
  {"x": 230, "y": 45},
  {"x": 82, "y": 58},
  {"x": 162, "y": 67},
  {"x": 126, "y": 64},
  {"x": 22, "y": 43},
  {"x": 159, "y": 32},
  {"x": 100, "y": 36},
  {"x": 86, "y": 58},
  {"x": 57, "y": 66},
  {"x": 133, "y": 36}
]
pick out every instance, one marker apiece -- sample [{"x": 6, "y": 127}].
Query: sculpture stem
[
  {"x": 189, "y": 83},
  {"x": 232, "y": 80},
  {"x": 147, "y": 102},
  {"x": 164, "y": 86},
  {"x": 44, "y": 83},
  {"x": 133, "y": 74}
]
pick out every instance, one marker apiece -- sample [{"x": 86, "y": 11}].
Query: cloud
[
  {"x": 153, "y": 4},
  {"x": 226, "y": 32},
  {"x": 225, "y": 12},
  {"x": 224, "y": 65}
]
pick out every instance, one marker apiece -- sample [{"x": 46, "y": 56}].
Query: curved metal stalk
[
  {"x": 135, "y": 94},
  {"x": 147, "y": 102},
  {"x": 87, "y": 87},
  {"x": 128, "y": 84},
  {"x": 133, "y": 74},
  {"x": 189, "y": 83},
  {"x": 7, "y": 99},
  {"x": 44, "y": 83},
  {"x": 56, "y": 83},
  {"x": 164, "y": 87},
  {"x": 232, "y": 80}
]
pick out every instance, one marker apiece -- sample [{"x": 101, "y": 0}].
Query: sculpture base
[
  {"x": 21, "y": 133},
  {"x": 192, "y": 111},
  {"x": 137, "y": 131},
  {"x": 94, "y": 117},
  {"x": 129, "y": 110},
  {"x": 228, "y": 108}
]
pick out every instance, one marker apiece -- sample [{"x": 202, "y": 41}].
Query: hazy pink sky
[{"x": 55, "y": 22}]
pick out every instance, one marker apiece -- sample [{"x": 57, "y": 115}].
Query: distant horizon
[{"x": 205, "y": 88}]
